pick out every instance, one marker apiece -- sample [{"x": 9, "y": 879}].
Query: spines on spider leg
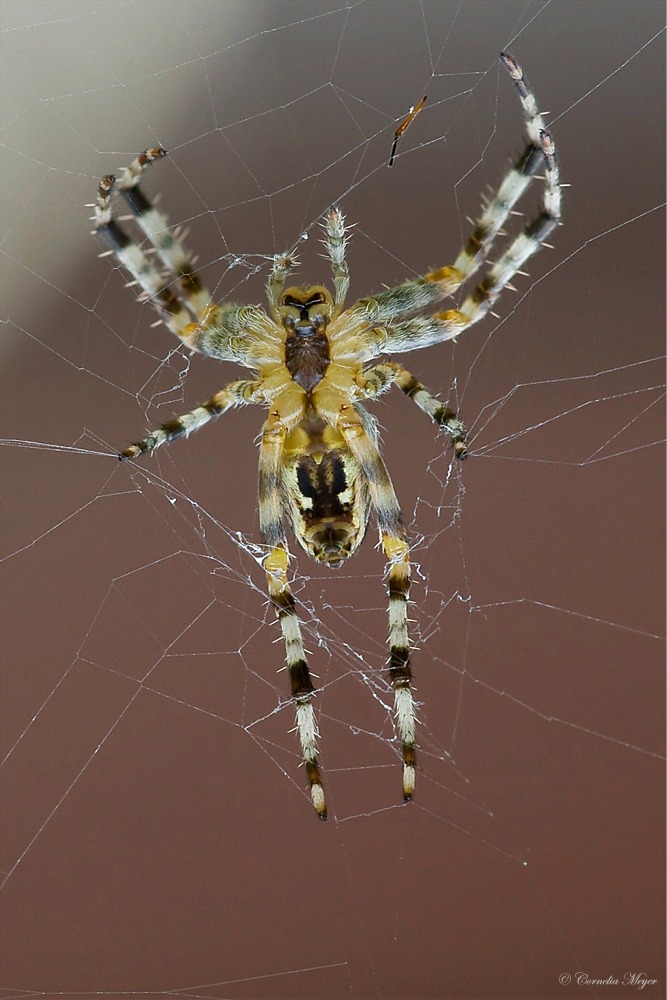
[
  {"x": 335, "y": 242},
  {"x": 527, "y": 243},
  {"x": 135, "y": 261},
  {"x": 515, "y": 182},
  {"x": 400, "y": 670},
  {"x": 301, "y": 684},
  {"x": 553, "y": 194},
  {"x": 496, "y": 211},
  {"x": 533, "y": 117},
  {"x": 433, "y": 407},
  {"x": 234, "y": 394},
  {"x": 156, "y": 227}
]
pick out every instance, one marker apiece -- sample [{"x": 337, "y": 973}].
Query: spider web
[{"x": 158, "y": 839}]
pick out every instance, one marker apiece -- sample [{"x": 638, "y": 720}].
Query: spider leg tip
[{"x": 317, "y": 798}]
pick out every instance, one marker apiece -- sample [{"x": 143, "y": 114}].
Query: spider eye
[{"x": 289, "y": 322}]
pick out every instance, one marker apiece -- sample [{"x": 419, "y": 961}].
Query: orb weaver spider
[{"x": 314, "y": 363}]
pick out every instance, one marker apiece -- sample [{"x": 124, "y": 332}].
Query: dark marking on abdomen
[{"x": 322, "y": 483}]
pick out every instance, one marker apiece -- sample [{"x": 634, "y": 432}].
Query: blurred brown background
[{"x": 157, "y": 838}]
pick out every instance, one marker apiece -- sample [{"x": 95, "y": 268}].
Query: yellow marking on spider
[
  {"x": 276, "y": 563},
  {"x": 454, "y": 316},
  {"x": 395, "y": 549},
  {"x": 450, "y": 274}
]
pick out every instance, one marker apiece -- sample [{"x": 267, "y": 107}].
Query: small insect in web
[
  {"x": 407, "y": 121},
  {"x": 315, "y": 363}
]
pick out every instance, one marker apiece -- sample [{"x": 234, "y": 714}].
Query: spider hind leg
[{"x": 400, "y": 671}]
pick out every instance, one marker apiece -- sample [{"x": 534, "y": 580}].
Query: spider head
[{"x": 306, "y": 311}]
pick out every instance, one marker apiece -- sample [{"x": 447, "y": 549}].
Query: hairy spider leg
[
  {"x": 348, "y": 420},
  {"x": 219, "y": 330},
  {"x": 171, "y": 309},
  {"x": 483, "y": 297},
  {"x": 335, "y": 242},
  {"x": 275, "y": 566},
  {"x": 379, "y": 378},
  {"x": 388, "y": 308},
  {"x": 156, "y": 227},
  {"x": 235, "y": 394}
]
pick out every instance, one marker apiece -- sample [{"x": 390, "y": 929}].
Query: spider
[{"x": 314, "y": 362}]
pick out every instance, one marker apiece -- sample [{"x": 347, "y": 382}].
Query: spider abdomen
[{"x": 325, "y": 499}]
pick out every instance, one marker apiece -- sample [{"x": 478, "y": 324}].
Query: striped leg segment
[
  {"x": 515, "y": 182},
  {"x": 540, "y": 154},
  {"x": 481, "y": 300},
  {"x": 275, "y": 566},
  {"x": 302, "y": 686},
  {"x": 170, "y": 308},
  {"x": 381, "y": 377},
  {"x": 400, "y": 671},
  {"x": 156, "y": 227},
  {"x": 177, "y": 314},
  {"x": 398, "y": 580},
  {"x": 234, "y": 394}
]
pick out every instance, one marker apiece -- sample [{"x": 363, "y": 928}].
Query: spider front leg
[
  {"x": 156, "y": 227},
  {"x": 172, "y": 311},
  {"x": 275, "y": 566},
  {"x": 219, "y": 331},
  {"x": 378, "y": 379}
]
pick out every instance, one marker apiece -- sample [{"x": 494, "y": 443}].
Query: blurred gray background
[{"x": 157, "y": 837}]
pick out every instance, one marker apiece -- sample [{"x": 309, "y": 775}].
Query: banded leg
[
  {"x": 234, "y": 394},
  {"x": 379, "y": 378},
  {"x": 515, "y": 182},
  {"x": 275, "y": 565},
  {"x": 499, "y": 276},
  {"x": 420, "y": 293},
  {"x": 219, "y": 330},
  {"x": 396, "y": 552},
  {"x": 156, "y": 227},
  {"x": 171, "y": 309}
]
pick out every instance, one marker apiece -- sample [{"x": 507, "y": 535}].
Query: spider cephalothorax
[
  {"x": 305, "y": 314},
  {"x": 314, "y": 364}
]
